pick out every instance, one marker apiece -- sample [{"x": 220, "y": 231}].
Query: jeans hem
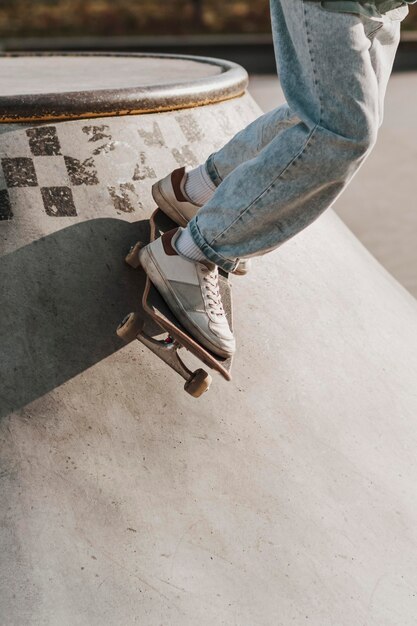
[
  {"x": 212, "y": 170},
  {"x": 227, "y": 265}
]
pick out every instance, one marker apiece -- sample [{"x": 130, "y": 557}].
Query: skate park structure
[{"x": 286, "y": 496}]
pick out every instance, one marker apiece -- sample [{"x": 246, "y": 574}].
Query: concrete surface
[
  {"x": 380, "y": 203},
  {"x": 72, "y": 73},
  {"x": 284, "y": 497}
]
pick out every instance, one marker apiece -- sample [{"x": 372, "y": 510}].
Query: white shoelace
[{"x": 211, "y": 285}]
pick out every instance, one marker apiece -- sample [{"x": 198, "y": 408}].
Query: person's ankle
[
  {"x": 186, "y": 247},
  {"x": 198, "y": 185}
]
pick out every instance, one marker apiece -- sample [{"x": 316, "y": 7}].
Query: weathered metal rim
[{"x": 230, "y": 83}]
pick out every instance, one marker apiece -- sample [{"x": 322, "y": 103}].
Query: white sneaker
[
  {"x": 170, "y": 196},
  {"x": 191, "y": 290}
]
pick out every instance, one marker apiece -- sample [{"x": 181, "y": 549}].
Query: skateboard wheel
[
  {"x": 132, "y": 257},
  {"x": 130, "y": 327},
  {"x": 198, "y": 383}
]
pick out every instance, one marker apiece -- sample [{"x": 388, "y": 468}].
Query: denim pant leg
[
  {"x": 328, "y": 66},
  {"x": 247, "y": 143}
]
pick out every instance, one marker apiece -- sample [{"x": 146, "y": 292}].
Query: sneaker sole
[
  {"x": 240, "y": 271},
  {"x": 155, "y": 276}
]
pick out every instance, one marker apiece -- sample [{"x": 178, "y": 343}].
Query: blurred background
[
  {"x": 131, "y": 17},
  {"x": 28, "y": 18},
  {"x": 380, "y": 204}
]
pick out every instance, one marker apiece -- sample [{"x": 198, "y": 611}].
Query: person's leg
[
  {"x": 331, "y": 76},
  {"x": 177, "y": 188},
  {"x": 327, "y": 66},
  {"x": 183, "y": 192},
  {"x": 248, "y": 142}
]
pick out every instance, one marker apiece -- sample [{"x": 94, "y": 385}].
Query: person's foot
[
  {"x": 191, "y": 290},
  {"x": 170, "y": 195}
]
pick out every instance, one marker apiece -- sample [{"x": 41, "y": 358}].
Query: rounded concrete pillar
[{"x": 284, "y": 497}]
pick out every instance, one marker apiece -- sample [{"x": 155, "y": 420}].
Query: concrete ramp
[{"x": 287, "y": 496}]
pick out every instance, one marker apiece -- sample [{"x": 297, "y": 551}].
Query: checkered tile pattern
[
  {"x": 21, "y": 171},
  {"x": 63, "y": 169}
]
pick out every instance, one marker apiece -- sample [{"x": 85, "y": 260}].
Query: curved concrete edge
[{"x": 230, "y": 83}]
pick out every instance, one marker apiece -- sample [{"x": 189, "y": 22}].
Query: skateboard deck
[{"x": 154, "y": 318}]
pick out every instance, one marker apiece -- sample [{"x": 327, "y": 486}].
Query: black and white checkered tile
[
  {"x": 22, "y": 171},
  {"x": 61, "y": 169}
]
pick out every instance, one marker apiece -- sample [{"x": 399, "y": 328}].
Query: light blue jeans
[{"x": 282, "y": 171}]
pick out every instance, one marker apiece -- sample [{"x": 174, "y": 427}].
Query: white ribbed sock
[
  {"x": 185, "y": 245},
  {"x": 198, "y": 185}
]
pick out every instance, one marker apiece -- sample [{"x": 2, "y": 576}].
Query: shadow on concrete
[{"x": 62, "y": 299}]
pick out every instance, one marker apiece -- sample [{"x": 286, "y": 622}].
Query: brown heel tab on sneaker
[
  {"x": 166, "y": 242},
  {"x": 176, "y": 179}
]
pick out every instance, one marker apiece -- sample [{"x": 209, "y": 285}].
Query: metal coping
[{"x": 230, "y": 83}]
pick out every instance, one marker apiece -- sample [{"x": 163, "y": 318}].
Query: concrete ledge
[{"x": 111, "y": 83}]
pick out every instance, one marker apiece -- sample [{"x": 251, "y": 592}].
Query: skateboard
[{"x": 158, "y": 329}]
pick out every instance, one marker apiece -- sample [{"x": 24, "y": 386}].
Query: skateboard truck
[{"x": 133, "y": 327}]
